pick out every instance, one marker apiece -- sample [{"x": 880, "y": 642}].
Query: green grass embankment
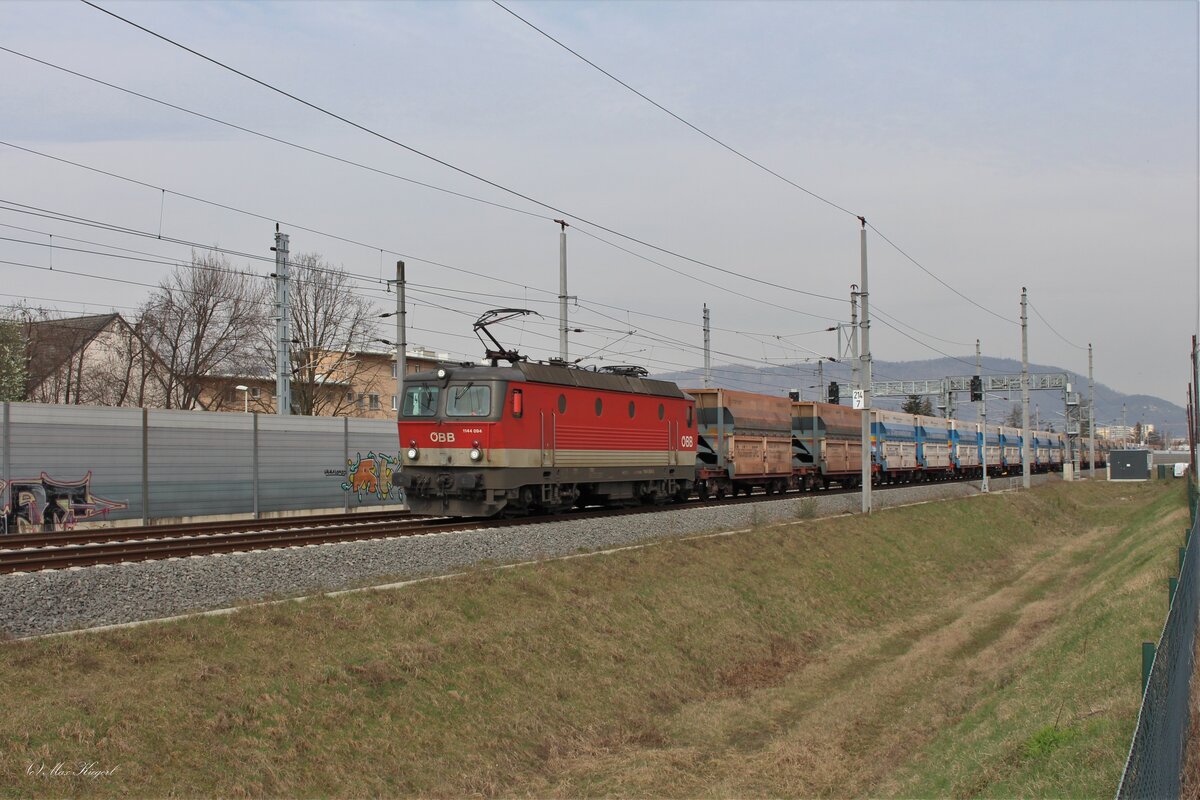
[{"x": 986, "y": 646}]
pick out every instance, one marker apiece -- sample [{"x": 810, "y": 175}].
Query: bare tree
[
  {"x": 129, "y": 373},
  {"x": 330, "y": 327},
  {"x": 12, "y": 361},
  {"x": 203, "y": 319}
]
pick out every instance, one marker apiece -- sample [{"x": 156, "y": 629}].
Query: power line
[
  {"x": 733, "y": 150},
  {"x": 63, "y": 300},
  {"x": 158, "y": 261},
  {"x": 347, "y": 240},
  {"x": 728, "y": 291},
  {"x": 269, "y": 137},
  {"x": 875, "y": 309},
  {"x": 266, "y": 218},
  {"x": 923, "y": 268},
  {"x": 736, "y": 372},
  {"x": 671, "y": 113},
  {"x": 126, "y": 281},
  {"x": 121, "y": 229},
  {"x": 374, "y": 247},
  {"x": 1052, "y": 328},
  {"x": 191, "y": 264},
  {"x": 164, "y": 260},
  {"x": 926, "y": 344},
  {"x": 518, "y": 194},
  {"x": 461, "y": 170},
  {"x": 59, "y": 216},
  {"x": 653, "y": 338},
  {"x": 112, "y": 227},
  {"x": 321, "y": 153}
]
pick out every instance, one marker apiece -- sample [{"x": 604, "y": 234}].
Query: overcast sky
[{"x": 1050, "y": 145}]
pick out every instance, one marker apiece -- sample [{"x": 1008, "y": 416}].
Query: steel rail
[
  {"x": 150, "y": 532},
  {"x": 60, "y": 554},
  {"x": 31, "y": 559}
]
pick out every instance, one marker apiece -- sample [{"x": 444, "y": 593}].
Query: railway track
[
  {"x": 42, "y": 551},
  {"x": 106, "y": 535}
]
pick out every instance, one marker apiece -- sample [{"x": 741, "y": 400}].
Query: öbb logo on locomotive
[{"x": 440, "y": 436}]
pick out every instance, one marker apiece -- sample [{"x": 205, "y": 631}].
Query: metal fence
[
  {"x": 61, "y": 465},
  {"x": 1155, "y": 764}
]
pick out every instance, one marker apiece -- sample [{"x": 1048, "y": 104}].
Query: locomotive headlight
[
  {"x": 476, "y": 454},
  {"x": 413, "y": 454},
  {"x": 441, "y": 373}
]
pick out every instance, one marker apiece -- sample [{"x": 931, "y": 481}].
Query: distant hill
[{"x": 1164, "y": 415}]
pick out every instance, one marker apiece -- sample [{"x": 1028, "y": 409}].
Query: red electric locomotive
[
  {"x": 530, "y": 438},
  {"x": 479, "y": 441}
]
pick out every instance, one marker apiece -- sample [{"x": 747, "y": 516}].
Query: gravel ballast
[{"x": 39, "y": 603}]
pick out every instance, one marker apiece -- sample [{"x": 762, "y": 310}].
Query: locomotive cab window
[
  {"x": 468, "y": 400},
  {"x": 689, "y": 416},
  {"x": 420, "y": 401}
]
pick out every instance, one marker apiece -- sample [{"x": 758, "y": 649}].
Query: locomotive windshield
[
  {"x": 468, "y": 400},
  {"x": 420, "y": 401}
]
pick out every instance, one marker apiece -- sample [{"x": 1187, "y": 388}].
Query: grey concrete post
[
  {"x": 145, "y": 466},
  {"x": 1091, "y": 417},
  {"x": 1025, "y": 443},
  {"x": 864, "y": 354},
  {"x": 401, "y": 339},
  {"x": 346, "y": 462},
  {"x": 7, "y": 475},
  {"x": 254, "y": 463},
  {"x": 707, "y": 351},
  {"x": 562, "y": 290}
]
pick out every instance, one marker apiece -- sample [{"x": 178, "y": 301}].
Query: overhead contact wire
[
  {"x": 734, "y": 150},
  {"x": 447, "y": 164}
]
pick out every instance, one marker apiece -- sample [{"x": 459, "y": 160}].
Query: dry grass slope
[{"x": 948, "y": 649}]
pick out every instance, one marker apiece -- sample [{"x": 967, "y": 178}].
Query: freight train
[{"x": 541, "y": 438}]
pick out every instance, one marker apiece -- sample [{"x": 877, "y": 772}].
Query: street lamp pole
[{"x": 245, "y": 390}]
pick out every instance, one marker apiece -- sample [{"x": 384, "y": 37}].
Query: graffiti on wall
[
  {"x": 371, "y": 475},
  {"x": 47, "y": 504}
]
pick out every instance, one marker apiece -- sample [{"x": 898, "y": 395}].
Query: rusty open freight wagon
[{"x": 745, "y": 442}]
